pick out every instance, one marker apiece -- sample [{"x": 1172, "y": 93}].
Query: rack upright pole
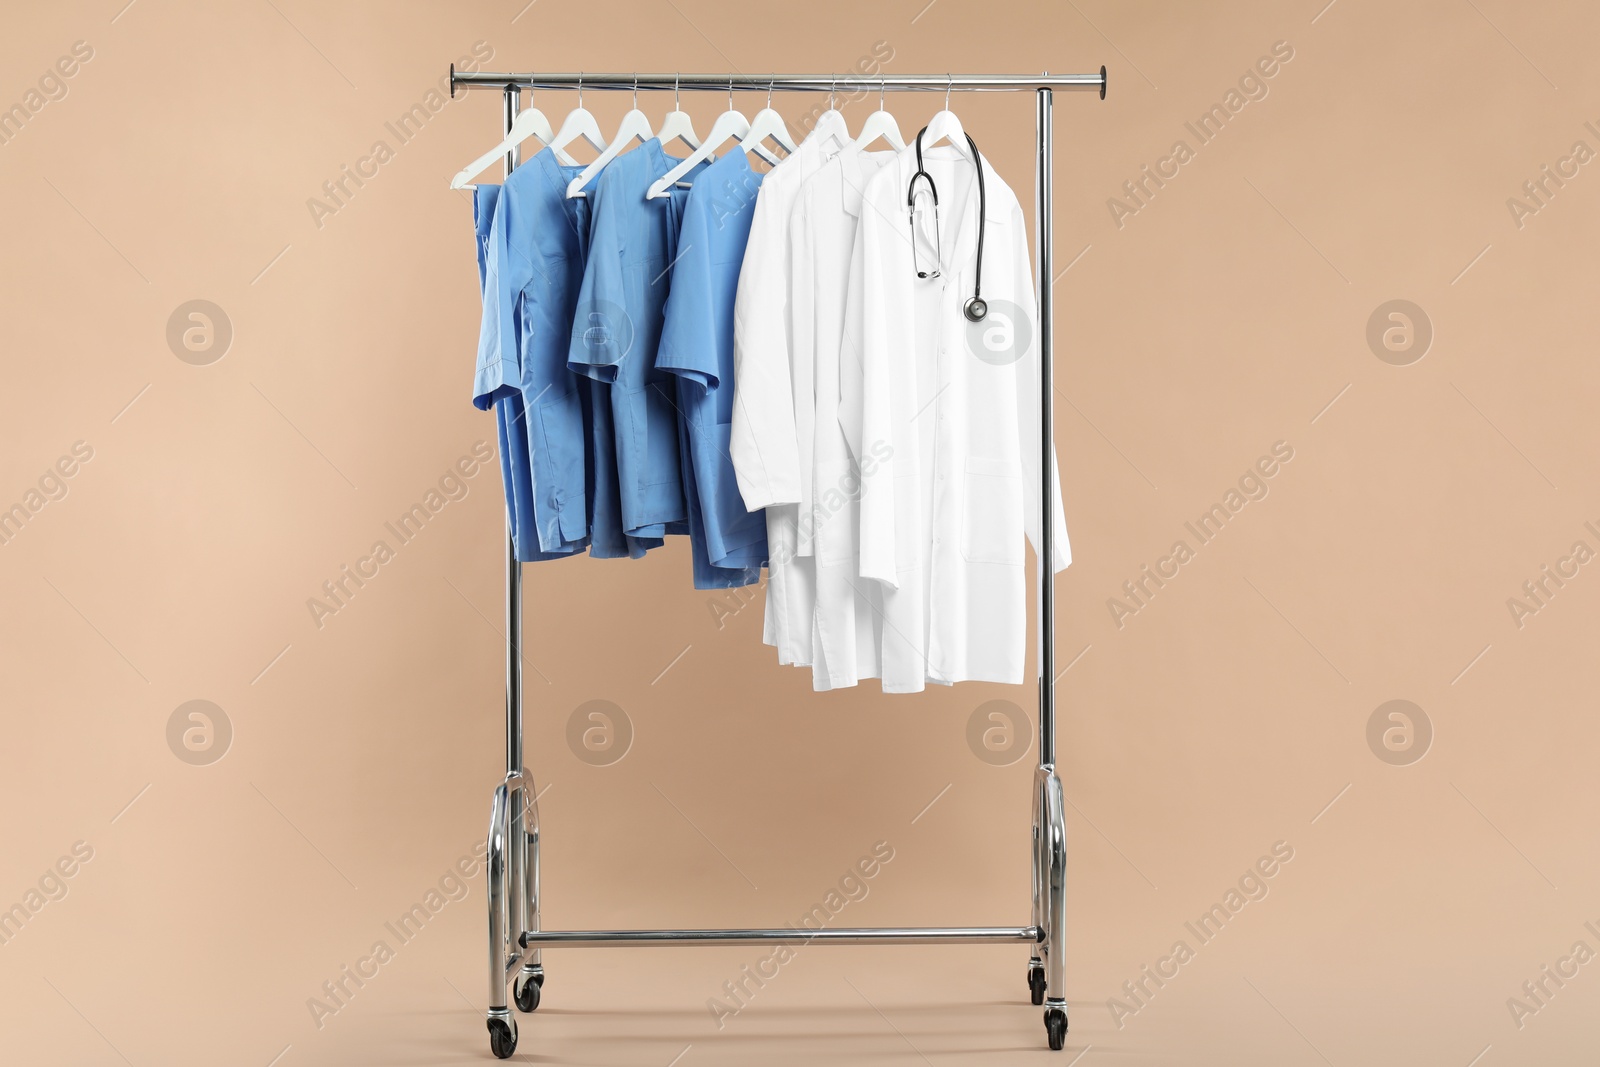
[
  {"x": 513, "y": 105},
  {"x": 1044, "y": 233}
]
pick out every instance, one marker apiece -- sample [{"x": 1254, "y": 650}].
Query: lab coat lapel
[
  {"x": 852, "y": 180},
  {"x": 963, "y": 220}
]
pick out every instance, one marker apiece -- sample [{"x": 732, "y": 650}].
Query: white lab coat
[
  {"x": 945, "y": 515},
  {"x": 847, "y": 631},
  {"x": 763, "y": 441}
]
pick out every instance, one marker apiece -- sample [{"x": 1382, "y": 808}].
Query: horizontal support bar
[
  {"x": 927, "y": 935},
  {"x": 794, "y": 83}
]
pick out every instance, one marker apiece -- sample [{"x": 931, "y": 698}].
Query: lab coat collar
[
  {"x": 853, "y": 180},
  {"x": 830, "y": 136},
  {"x": 906, "y": 163},
  {"x": 819, "y": 146}
]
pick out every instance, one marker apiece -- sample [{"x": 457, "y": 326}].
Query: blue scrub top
[
  {"x": 507, "y": 402},
  {"x": 535, "y": 264},
  {"x": 617, "y": 326},
  {"x": 729, "y": 542}
]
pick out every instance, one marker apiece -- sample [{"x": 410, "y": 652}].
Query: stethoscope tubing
[{"x": 976, "y": 308}]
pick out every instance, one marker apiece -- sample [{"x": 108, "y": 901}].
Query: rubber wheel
[
  {"x": 503, "y": 1037},
  {"x": 526, "y": 991},
  {"x": 1036, "y": 983},
  {"x": 1055, "y": 1025}
]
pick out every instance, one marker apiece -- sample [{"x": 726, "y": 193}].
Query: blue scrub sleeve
[
  {"x": 601, "y": 329},
  {"x": 687, "y": 347},
  {"x": 499, "y": 371}
]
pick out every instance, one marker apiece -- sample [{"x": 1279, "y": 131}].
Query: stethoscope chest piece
[{"x": 976, "y": 309}]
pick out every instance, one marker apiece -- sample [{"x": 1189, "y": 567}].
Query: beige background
[{"x": 1231, "y": 713}]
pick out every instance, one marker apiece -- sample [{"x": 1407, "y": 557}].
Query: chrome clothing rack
[{"x": 516, "y": 936}]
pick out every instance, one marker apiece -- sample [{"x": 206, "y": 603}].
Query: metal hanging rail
[
  {"x": 515, "y": 933},
  {"x": 787, "y": 83}
]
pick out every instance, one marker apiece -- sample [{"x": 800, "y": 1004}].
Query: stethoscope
[{"x": 976, "y": 308}]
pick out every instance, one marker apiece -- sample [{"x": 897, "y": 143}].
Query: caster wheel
[
  {"x": 526, "y": 991},
  {"x": 503, "y": 1037},
  {"x": 1036, "y": 982},
  {"x": 1055, "y": 1025}
]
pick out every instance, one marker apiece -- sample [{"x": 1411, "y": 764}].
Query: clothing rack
[{"x": 516, "y": 936}]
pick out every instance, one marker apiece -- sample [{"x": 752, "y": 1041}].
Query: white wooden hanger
[
  {"x": 879, "y": 124},
  {"x": 579, "y": 123},
  {"x": 635, "y": 125},
  {"x": 677, "y": 126},
  {"x": 529, "y": 123},
  {"x": 946, "y": 127},
  {"x": 729, "y": 124},
  {"x": 767, "y": 123},
  {"x": 831, "y": 130}
]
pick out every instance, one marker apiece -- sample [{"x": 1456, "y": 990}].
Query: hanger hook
[
  {"x": 636, "y": 90},
  {"x": 580, "y": 90},
  {"x": 677, "y": 104},
  {"x": 772, "y": 80},
  {"x": 948, "y": 85},
  {"x": 730, "y": 92},
  {"x": 881, "y": 80}
]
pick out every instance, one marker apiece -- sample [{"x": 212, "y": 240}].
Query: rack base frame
[{"x": 516, "y": 935}]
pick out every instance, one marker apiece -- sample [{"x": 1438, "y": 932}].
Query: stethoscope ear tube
[{"x": 975, "y": 309}]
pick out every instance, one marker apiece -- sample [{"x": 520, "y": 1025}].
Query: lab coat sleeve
[
  {"x": 880, "y": 314},
  {"x": 601, "y": 331},
  {"x": 1028, "y": 407},
  {"x": 499, "y": 372},
  {"x": 762, "y": 440},
  {"x": 803, "y": 338},
  {"x": 850, "y": 355}
]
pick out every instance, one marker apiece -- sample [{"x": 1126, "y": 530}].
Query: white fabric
[
  {"x": 847, "y": 631},
  {"x": 945, "y": 514},
  {"x": 763, "y": 442}
]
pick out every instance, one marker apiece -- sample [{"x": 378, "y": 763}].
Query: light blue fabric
[
  {"x": 507, "y": 402},
  {"x": 535, "y": 260},
  {"x": 729, "y": 542},
  {"x": 484, "y": 199},
  {"x": 606, "y": 537},
  {"x": 616, "y": 329}
]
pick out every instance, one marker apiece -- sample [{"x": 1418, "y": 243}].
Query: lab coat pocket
[{"x": 991, "y": 529}]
